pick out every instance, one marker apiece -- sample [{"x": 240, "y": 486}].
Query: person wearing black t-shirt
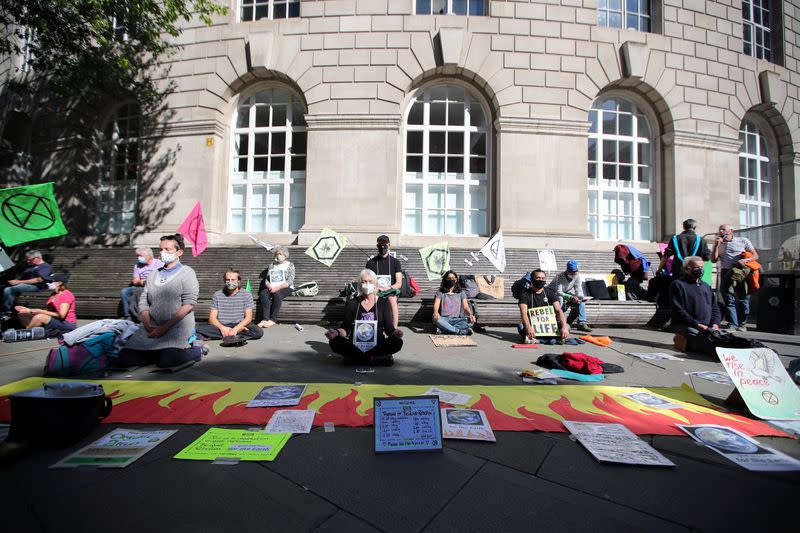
[
  {"x": 541, "y": 299},
  {"x": 390, "y": 275}
]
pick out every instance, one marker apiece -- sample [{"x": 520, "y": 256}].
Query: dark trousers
[
  {"x": 164, "y": 358},
  {"x": 271, "y": 302},
  {"x": 210, "y": 331},
  {"x": 345, "y": 347},
  {"x": 696, "y": 341}
]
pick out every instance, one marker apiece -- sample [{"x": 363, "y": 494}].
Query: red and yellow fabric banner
[{"x": 509, "y": 408}]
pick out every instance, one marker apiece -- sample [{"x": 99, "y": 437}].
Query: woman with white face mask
[
  {"x": 167, "y": 304},
  {"x": 129, "y": 296},
  {"x": 278, "y": 285},
  {"x": 367, "y": 335},
  {"x": 58, "y": 316}
]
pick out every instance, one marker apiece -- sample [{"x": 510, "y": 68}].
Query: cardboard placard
[
  {"x": 543, "y": 321},
  {"x": 762, "y": 381},
  {"x": 277, "y": 276},
  {"x": 407, "y": 424}
]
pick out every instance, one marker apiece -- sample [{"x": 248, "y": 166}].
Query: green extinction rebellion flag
[{"x": 29, "y": 213}]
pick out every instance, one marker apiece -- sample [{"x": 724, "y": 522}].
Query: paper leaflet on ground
[
  {"x": 468, "y": 424},
  {"x": 651, "y": 400},
  {"x": 116, "y": 449},
  {"x": 277, "y": 396},
  {"x": 547, "y": 260},
  {"x": 243, "y": 445},
  {"x": 655, "y": 356},
  {"x": 495, "y": 251},
  {"x": 258, "y": 242},
  {"x": 765, "y": 386},
  {"x": 740, "y": 448},
  {"x": 327, "y": 247},
  {"x": 538, "y": 377},
  {"x": 453, "y": 398},
  {"x": 717, "y": 377},
  {"x": 407, "y": 424},
  {"x": 291, "y": 421},
  {"x": 614, "y": 443}
]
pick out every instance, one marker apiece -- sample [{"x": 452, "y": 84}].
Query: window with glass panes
[
  {"x": 627, "y": 14},
  {"x": 453, "y": 7},
  {"x": 119, "y": 173},
  {"x": 269, "y": 9},
  {"x": 446, "y": 163},
  {"x": 757, "y": 29},
  {"x": 754, "y": 177},
  {"x": 620, "y": 171},
  {"x": 268, "y": 168}
]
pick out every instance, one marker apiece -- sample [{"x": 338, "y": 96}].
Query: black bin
[{"x": 779, "y": 302}]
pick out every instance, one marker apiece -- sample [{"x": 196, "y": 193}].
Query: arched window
[
  {"x": 446, "y": 163},
  {"x": 268, "y": 164},
  {"x": 119, "y": 172},
  {"x": 620, "y": 171},
  {"x": 754, "y": 177}
]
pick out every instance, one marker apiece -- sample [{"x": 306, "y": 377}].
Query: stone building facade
[{"x": 537, "y": 117}]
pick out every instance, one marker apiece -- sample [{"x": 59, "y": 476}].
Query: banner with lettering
[{"x": 543, "y": 321}]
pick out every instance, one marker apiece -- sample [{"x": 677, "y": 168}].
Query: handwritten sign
[
  {"x": 543, "y": 321},
  {"x": 614, "y": 443},
  {"x": 547, "y": 260},
  {"x": 238, "y": 444},
  {"x": 763, "y": 383},
  {"x": 407, "y": 424},
  {"x": 291, "y": 421}
]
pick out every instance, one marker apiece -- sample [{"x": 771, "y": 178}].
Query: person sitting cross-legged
[
  {"x": 540, "y": 304},
  {"x": 694, "y": 309},
  {"x": 231, "y": 312},
  {"x": 569, "y": 287},
  {"x": 451, "y": 310},
  {"x": 367, "y": 334}
]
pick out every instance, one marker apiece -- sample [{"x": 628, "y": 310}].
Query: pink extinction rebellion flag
[{"x": 194, "y": 229}]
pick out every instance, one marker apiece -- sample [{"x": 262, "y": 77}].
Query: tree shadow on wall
[{"x": 69, "y": 140}]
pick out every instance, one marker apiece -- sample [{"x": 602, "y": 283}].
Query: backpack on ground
[
  {"x": 410, "y": 287},
  {"x": 521, "y": 285},
  {"x": 83, "y": 358},
  {"x": 468, "y": 285},
  {"x": 309, "y": 288}
]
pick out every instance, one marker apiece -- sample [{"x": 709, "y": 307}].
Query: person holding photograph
[
  {"x": 367, "y": 321},
  {"x": 278, "y": 285}
]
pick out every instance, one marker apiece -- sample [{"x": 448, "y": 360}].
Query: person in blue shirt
[{"x": 32, "y": 279}]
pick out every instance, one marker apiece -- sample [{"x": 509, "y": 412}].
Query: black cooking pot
[{"x": 58, "y": 413}]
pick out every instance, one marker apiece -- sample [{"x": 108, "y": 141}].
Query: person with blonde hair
[
  {"x": 278, "y": 285},
  {"x": 374, "y": 315},
  {"x": 145, "y": 264}
]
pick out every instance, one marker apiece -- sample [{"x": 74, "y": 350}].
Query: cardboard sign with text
[{"x": 543, "y": 321}]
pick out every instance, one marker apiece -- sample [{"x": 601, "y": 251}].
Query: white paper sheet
[
  {"x": 717, "y": 377},
  {"x": 789, "y": 426},
  {"x": 291, "y": 421},
  {"x": 547, "y": 260},
  {"x": 453, "y": 398},
  {"x": 655, "y": 356},
  {"x": 116, "y": 449},
  {"x": 614, "y": 443},
  {"x": 741, "y": 449}
]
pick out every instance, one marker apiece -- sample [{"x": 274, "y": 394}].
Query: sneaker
[
  {"x": 466, "y": 332},
  {"x": 528, "y": 340},
  {"x": 266, "y": 324},
  {"x": 438, "y": 331},
  {"x": 479, "y": 329},
  {"x": 583, "y": 326}
]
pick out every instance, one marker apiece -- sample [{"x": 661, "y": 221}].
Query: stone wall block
[
  {"x": 634, "y": 59},
  {"x": 260, "y": 47},
  {"x": 609, "y": 60},
  {"x": 773, "y": 90},
  {"x": 422, "y": 47},
  {"x": 449, "y": 42}
]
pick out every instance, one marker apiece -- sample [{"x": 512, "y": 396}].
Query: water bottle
[{"x": 16, "y": 335}]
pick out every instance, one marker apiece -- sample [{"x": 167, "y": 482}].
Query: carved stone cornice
[
  {"x": 699, "y": 140},
  {"x": 539, "y": 126},
  {"x": 353, "y": 122}
]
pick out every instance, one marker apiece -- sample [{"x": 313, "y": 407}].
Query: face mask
[
  {"x": 232, "y": 285},
  {"x": 449, "y": 283},
  {"x": 167, "y": 257},
  {"x": 383, "y": 249},
  {"x": 52, "y": 286},
  {"x": 367, "y": 288},
  {"x": 539, "y": 283},
  {"x": 697, "y": 272},
  {"x": 280, "y": 258},
  {"x": 141, "y": 260}
]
